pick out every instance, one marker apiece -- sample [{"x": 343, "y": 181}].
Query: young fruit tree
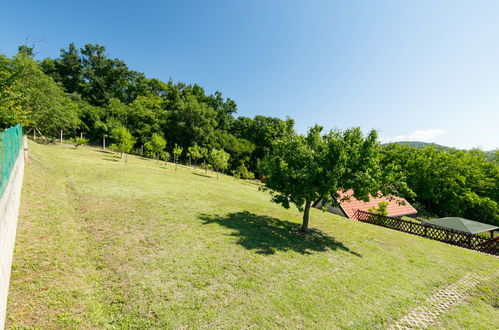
[
  {"x": 196, "y": 153},
  {"x": 156, "y": 145},
  {"x": 124, "y": 141},
  {"x": 177, "y": 151},
  {"x": 219, "y": 159},
  {"x": 304, "y": 169},
  {"x": 78, "y": 141}
]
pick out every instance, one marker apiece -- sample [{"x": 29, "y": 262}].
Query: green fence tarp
[{"x": 10, "y": 144}]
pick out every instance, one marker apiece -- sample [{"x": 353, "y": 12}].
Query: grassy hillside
[{"x": 102, "y": 243}]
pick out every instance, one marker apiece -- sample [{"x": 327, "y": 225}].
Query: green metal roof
[{"x": 468, "y": 226}]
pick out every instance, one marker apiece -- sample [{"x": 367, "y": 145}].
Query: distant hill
[{"x": 417, "y": 144}]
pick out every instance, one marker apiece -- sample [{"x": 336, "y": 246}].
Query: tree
[
  {"x": 158, "y": 144},
  {"x": 124, "y": 141},
  {"x": 196, "y": 153},
  {"x": 78, "y": 141},
  {"x": 449, "y": 182},
  {"x": 38, "y": 102},
  {"x": 304, "y": 169},
  {"x": 219, "y": 159},
  {"x": 177, "y": 151}
]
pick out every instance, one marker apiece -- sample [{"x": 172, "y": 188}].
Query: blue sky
[{"x": 417, "y": 70}]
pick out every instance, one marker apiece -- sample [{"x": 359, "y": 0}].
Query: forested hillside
[{"x": 85, "y": 93}]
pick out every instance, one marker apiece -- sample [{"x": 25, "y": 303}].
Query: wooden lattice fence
[{"x": 449, "y": 236}]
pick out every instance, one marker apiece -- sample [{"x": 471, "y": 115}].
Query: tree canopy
[
  {"x": 86, "y": 93},
  {"x": 303, "y": 169}
]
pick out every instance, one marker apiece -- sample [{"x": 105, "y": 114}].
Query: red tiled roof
[{"x": 394, "y": 209}]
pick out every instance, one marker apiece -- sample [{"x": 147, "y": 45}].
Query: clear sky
[{"x": 414, "y": 70}]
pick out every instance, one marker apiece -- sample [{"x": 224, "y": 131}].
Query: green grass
[
  {"x": 479, "y": 310},
  {"x": 102, "y": 243}
]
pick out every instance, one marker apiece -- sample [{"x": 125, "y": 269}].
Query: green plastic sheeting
[{"x": 10, "y": 144}]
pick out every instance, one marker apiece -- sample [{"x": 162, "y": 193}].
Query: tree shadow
[
  {"x": 109, "y": 159},
  {"x": 104, "y": 151},
  {"x": 268, "y": 235},
  {"x": 203, "y": 175}
]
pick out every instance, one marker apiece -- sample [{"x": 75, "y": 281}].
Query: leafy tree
[
  {"x": 196, "y": 153},
  {"x": 219, "y": 159},
  {"x": 261, "y": 131},
  {"x": 243, "y": 173},
  {"x": 157, "y": 145},
  {"x": 78, "y": 141},
  {"x": 449, "y": 182},
  {"x": 304, "y": 169},
  {"x": 39, "y": 102},
  {"x": 124, "y": 141},
  {"x": 177, "y": 151}
]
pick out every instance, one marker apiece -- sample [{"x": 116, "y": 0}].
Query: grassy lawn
[
  {"x": 103, "y": 243},
  {"x": 479, "y": 310}
]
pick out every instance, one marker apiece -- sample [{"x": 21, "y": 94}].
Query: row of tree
[{"x": 85, "y": 93}]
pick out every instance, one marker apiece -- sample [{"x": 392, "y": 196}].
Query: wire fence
[{"x": 10, "y": 145}]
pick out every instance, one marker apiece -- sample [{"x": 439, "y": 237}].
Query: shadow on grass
[
  {"x": 267, "y": 235},
  {"x": 109, "y": 159},
  {"x": 203, "y": 175},
  {"x": 104, "y": 151}
]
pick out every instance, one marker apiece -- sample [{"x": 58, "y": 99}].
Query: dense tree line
[
  {"x": 91, "y": 97},
  {"x": 449, "y": 182},
  {"x": 83, "y": 91}
]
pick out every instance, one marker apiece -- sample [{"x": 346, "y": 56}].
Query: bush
[
  {"x": 382, "y": 208},
  {"x": 243, "y": 173},
  {"x": 78, "y": 141}
]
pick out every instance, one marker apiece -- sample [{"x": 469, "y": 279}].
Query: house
[{"x": 397, "y": 207}]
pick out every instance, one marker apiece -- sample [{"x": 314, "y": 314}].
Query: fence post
[{"x": 25, "y": 145}]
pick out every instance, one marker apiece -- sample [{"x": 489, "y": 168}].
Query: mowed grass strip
[{"x": 103, "y": 243}]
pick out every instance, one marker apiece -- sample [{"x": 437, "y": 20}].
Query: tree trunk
[
  {"x": 176, "y": 163},
  {"x": 81, "y": 135},
  {"x": 34, "y": 135},
  {"x": 306, "y": 213},
  {"x": 61, "y": 136},
  {"x": 104, "y": 143}
]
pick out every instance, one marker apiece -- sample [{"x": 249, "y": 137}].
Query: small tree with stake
[
  {"x": 177, "y": 151},
  {"x": 219, "y": 159},
  {"x": 124, "y": 141},
  {"x": 304, "y": 169},
  {"x": 78, "y": 141},
  {"x": 157, "y": 145},
  {"x": 196, "y": 153}
]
